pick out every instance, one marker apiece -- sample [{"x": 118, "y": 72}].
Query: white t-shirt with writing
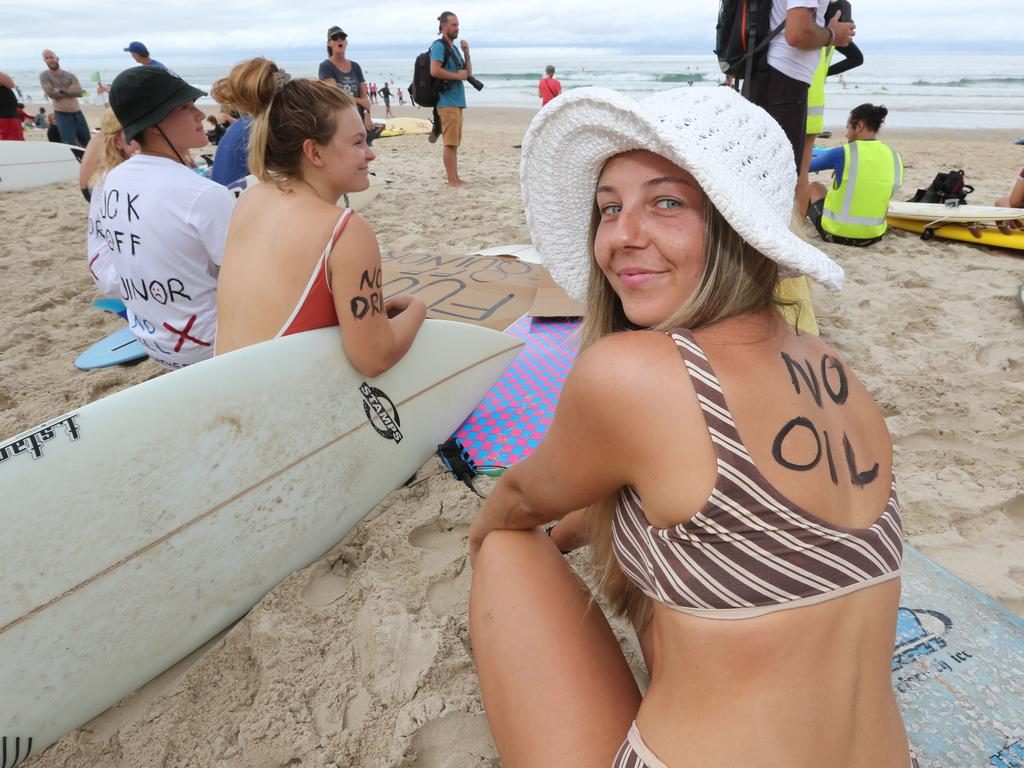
[
  {"x": 794, "y": 62},
  {"x": 101, "y": 265},
  {"x": 165, "y": 226}
]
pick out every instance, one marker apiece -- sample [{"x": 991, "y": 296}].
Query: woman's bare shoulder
[{"x": 631, "y": 367}]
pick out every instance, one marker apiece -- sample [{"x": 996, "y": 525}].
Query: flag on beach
[{"x": 95, "y": 77}]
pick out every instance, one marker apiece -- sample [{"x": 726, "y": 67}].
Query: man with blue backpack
[{"x": 452, "y": 68}]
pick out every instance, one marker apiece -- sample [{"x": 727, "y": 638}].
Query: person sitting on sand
[
  {"x": 294, "y": 261},
  {"x": 1016, "y": 197},
  {"x": 107, "y": 150},
  {"x": 165, "y": 224},
  {"x": 866, "y": 175},
  {"x": 759, "y": 562}
]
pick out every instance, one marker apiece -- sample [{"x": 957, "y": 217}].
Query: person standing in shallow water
[
  {"x": 548, "y": 87},
  {"x": 759, "y": 563}
]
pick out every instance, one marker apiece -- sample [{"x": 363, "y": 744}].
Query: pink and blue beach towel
[{"x": 514, "y": 416}]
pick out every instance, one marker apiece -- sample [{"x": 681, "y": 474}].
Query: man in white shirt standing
[
  {"x": 781, "y": 86},
  {"x": 165, "y": 225}
]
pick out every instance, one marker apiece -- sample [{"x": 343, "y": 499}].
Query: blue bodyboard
[{"x": 119, "y": 347}]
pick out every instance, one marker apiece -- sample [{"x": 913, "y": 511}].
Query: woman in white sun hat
[{"x": 733, "y": 477}]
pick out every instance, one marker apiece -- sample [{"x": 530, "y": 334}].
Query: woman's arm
[
  {"x": 375, "y": 334},
  {"x": 586, "y": 454}
]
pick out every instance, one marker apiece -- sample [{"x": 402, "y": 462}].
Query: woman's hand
[
  {"x": 570, "y": 532},
  {"x": 396, "y": 305}
]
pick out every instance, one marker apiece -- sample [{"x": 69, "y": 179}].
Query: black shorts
[
  {"x": 785, "y": 99},
  {"x": 815, "y": 212}
]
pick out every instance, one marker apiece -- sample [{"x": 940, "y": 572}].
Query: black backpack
[
  {"x": 424, "y": 88},
  {"x": 742, "y": 36},
  {"x": 945, "y": 186}
]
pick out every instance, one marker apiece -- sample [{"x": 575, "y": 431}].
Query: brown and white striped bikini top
[{"x": 749, "y": 550}]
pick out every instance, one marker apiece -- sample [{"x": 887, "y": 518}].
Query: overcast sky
[{"x": 229, "y": 29}]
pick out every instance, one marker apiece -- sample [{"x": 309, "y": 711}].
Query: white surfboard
[
  {"x": 28, "y": 164},
  {"x": 960, "y": 214},
  {"x": 522, "y": 252},
  {"x": 140, "y": 525}
]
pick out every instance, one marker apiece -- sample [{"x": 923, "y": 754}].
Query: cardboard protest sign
[
  {"x": 552, "y": 301},
  {"x": 493, "y": 291}
]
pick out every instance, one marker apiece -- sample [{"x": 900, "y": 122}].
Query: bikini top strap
[
  {"x": 338, "y": 229},
  {"x": 709, "y": 392}
]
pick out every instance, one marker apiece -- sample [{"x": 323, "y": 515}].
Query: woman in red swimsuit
[
  {"x": 737, "y": 477},
  {"x": 293, "y": 260}
]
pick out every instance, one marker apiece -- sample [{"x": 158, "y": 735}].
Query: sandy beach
[{"x": 363, "y": 658}]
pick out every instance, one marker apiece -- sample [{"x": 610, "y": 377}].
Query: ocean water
[{"x": 952, "y": 91}]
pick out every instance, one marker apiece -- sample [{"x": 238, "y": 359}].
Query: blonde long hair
[
  {"x": 284, "y": 115},
  {"x": 112, "y": 155},
  {"x": 734, "y": 279}
]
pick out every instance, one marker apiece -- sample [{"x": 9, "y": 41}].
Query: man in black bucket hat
[{"x": 142, "y": 97}]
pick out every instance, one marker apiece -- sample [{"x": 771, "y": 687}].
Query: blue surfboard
[
  {"x": 119, "y": 347},
  {"x": 1020, "y": 140},
  {"x": 958, "y": 670}
]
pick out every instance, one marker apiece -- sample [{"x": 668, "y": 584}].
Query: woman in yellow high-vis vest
[{"x": 867, "y": 173}]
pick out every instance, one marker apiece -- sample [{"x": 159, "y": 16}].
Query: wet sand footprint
[
  {"x": 439, "y": 544},
  {"x": 1014, "y": 509},
  {"x": 447, "y": 595},
  {"x": 325, "y": 587},
  {"x": 459, "y": 739}
]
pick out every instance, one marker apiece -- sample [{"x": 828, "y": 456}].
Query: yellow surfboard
[{"x": 980, "y": 235}]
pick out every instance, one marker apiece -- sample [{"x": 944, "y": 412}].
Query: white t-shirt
[
  {"x": 798, "y": 64},
  {"x": 101, "y": 265},
  {"x": 165, "y": 226}
]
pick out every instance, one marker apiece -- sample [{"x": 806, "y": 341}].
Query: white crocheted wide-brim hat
[{"x": 735, "y": 150}]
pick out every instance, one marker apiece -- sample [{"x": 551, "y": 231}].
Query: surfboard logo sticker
[
  {"x": 32, "y": 442},
  {"x": 381, "y": 412}
]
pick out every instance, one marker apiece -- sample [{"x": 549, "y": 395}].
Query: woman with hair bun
[
  {"x": 867, "y": 173},
  {"x": 293, "y": 261}
]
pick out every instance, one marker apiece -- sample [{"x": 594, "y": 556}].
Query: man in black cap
[
  {"x": 346, "y": 74},
  {"x": 165, "y": 225},
  {"x": 141, "y": 55}
]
